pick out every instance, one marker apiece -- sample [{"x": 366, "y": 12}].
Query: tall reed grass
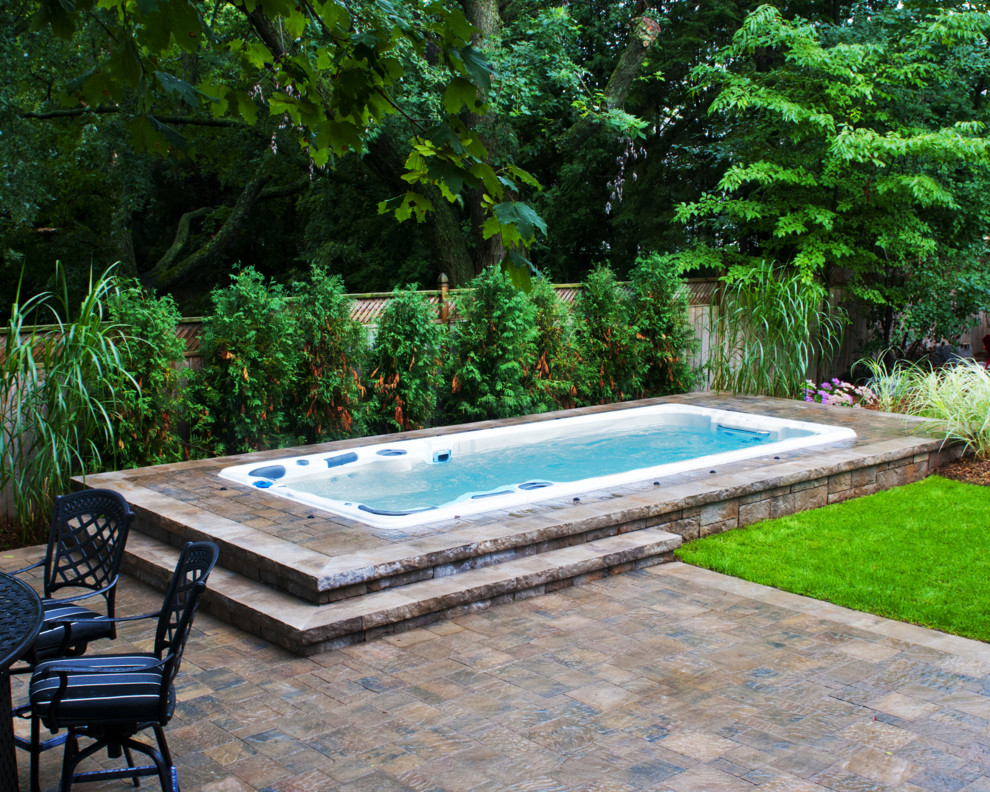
[
  {"x": 57, "y": 398},
  {"x": 769, "y": 329}
]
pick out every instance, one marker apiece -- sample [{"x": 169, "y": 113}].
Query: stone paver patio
[{"x": 668, "y": 678}]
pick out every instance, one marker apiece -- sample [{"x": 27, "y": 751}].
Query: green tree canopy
[
  {"x": 321, "y": 77},
  {"x": 856, "y": 151}
]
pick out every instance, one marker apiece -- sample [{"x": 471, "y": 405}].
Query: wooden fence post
[{"x": 444, "y": 299}]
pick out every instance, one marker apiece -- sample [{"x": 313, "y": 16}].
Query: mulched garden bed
[
  {"x": 968, "y": 469},
  {"x": 10, "y": 538}
]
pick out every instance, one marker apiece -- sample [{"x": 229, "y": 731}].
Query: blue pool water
[{"x": 470, "y": 476}]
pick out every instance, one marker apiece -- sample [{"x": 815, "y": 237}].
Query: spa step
[
  {"x": 320, "y": 573},
  {"x": 305, "y": 628}
]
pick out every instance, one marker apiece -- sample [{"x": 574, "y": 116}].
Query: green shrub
[
  {"x": 147, "y": 416},
  {"x": 57, "y": 417},
  {"x": 612, "y": 360},
  {"x": 251, "y": 358},
  {"x": 556, "y": 356},
  {"x": 327, "y": 398},
  {"x": 405, "y": 363},
  {"x": 492, "y": 352},
  {"x": 660, "y": 314}
]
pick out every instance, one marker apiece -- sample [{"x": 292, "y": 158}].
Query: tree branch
[
  {"x": 76, "y": 112},
  {"x": 172, "y": 265},
  {"x": 284, "y": 190},
  {"x": 181, "y": 239}
]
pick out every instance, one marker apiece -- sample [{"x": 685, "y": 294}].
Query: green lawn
[{"x": 918, "y": 553}]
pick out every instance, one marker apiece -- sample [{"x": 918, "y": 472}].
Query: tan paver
[{"x": 666, "y": 679}]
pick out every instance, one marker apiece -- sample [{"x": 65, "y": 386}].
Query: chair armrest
[
  {"x": 66, "y": 624},
  {"x": 85, "y": 595},
  {"x": 35, "y": 565},
  {"x": 76, "y": 597}
]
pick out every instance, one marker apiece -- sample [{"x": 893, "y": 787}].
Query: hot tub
[{"x": 412, "y": 482}]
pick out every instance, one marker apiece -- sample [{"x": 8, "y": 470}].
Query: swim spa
[{"x": 411, "y": 482}]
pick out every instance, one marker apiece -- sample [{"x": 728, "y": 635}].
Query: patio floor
[{"x": 668, "y": 678}]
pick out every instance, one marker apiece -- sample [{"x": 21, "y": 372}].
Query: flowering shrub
[{"x": 837, "y": 393}]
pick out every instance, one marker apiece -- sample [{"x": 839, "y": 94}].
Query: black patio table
[{"x": 20, "y": 621}]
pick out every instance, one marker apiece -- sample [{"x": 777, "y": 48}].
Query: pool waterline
[{"x": 746, "y": 436}]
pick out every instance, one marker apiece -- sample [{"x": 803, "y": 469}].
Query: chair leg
[
  {"x": 118, "y": 744},
  {"x": 171, "y": 783},
  {"x": 130, "y": 763},
  {"x": 71, "y": 757},
  {"x": 35, "y": 746},
  {"x": 162, "y": 743},
  {"x": 157, "y": 755},
  {"x": 35, "y": 750}
]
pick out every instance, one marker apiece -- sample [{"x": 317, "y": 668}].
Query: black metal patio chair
[
  {"x": 85, "y": 548},
  {"x": 111, "y": 698}
]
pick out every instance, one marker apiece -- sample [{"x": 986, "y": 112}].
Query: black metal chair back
[
  {"x": 85, "y": 549},
  {"x": 181, "y": 603},
  {"x": 86, "y": 541}
]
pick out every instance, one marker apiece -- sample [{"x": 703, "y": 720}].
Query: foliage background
[{"x": 846, "y": 140}]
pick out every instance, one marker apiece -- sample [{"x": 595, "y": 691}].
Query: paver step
[
  {"x": 319, "y": 573},
  {"x": 306, "y": 628}
]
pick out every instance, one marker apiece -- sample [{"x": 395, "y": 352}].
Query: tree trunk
[
  {"x": 442, "y": 224},
  {"x": 447, "y": 238},
  {"x": 124, "y": 242},
  {"x": 642, "y": 37},
  {"x": 225, "y": 235},
  {"x": 484, "y": 15},
  {"x": 172, "y": 266}
]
